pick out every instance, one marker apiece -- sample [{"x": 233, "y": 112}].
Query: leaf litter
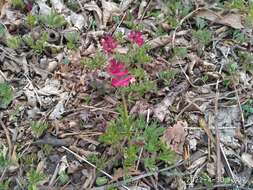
[{"x": 119, "y": 94}]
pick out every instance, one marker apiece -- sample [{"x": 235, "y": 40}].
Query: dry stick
[
  {"x": 180, "y": 162},
  {"x": 240, "y": 107},
  {"x": 122, "y": 19},
  {"x": 7, "y": 134},
  {"x": 146, "y": 9},
  {"x": 139, "y": 158},
  {"x": 86, "y": 161}
]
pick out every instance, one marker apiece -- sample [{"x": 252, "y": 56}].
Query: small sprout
[
  {"x": 206, "y": 180},
  {"x": 72, "y": 39},
  {"x": 38, "y": 128},
  {"x": 201, "y": 23},
  {"x": 63, "y": 177},
  {"x": 130, "y": 156},
  {"x": 6, "y": 95},
  {"x": 180, "y": 52},
  {"x": 167, "y": 76},
  {"x": 18, "y": 4},
  {"x": 73, "y": 5},
  {"x": 101, "y": 181},
  {"x": 14, "y": 42},
  {"x": 2, "y": 31},
  {"x": 34, "y": 177},
  {"x": 232, "y": 68},
  {"x": 31, "y": 20},
  {"x": 150, "y": 164},
  {"x": 53, "y": 20},
  {"x": 38, "y": 45},
  {"x": 98, "y": 61},
  {"x": 204, "y": 36},
  {"x": 3, "y": 158}
]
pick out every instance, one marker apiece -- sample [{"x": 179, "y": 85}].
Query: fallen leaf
[
  {"x": 92, "y": 6},
  {"x": 247, "y": 159},
  {"x": 175, "y": 136},
  {"x": 159, "y": 41},
  {"x": 230, "y": 19},
  {"x": 162, "y": 109},
  {"x": 110, "y": 9}
]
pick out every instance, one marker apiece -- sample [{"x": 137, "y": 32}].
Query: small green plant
[
  {"x": 180, "y": 52},
  {"x": 248, "y": 108},
  {"x": 73, "y": 5},
  {"x": 232, "y": 68},
  {"x": 34, "y": 177},
  {"x": 18, "y": 4},
  {"x": 63, "y": 177},
  {"x": 72, "y": 39},
  {"x": 239, "y": 36},
  {"x": 38, "y": 128},
  {"x": 206, "y": 180},
  {"x": 167, "y": 76},
  {"x": 134, "y": 130},
  {"x": 37, "y": 45},
  {"x": 31, "y": 20},
  {"x": 200, "y": 23},
  {"x": 4, "y": 162},
  {"x": 202, "y": 36},
  {"x": 246, "y": 60},
  {"x": 6, "y": 95},
  {"x": 98, "y": 61},
  {"x": 53, "y": 20},
  {"x": 4, "y": 185},
  {"x": 236, "y": 4},
  {"x": 2, "y": 31},
  {"x": 14, "y": 42},
  {"x": 135, "y": 56}
]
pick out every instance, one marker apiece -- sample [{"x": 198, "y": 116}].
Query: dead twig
[
  {"x": 92, "y": 165},
  {"x": 7, "y": 134}
]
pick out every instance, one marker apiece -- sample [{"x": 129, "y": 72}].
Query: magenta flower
[
  {"x": 136, "y": 37},
  {"x": 120, "y": 74},
  {"x": 108, "y": 43}
]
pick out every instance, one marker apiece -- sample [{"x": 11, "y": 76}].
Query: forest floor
[{"x": 131, "y": 94}]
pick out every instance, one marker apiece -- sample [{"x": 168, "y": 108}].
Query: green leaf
[
  {"x": 101, "y": 181},
  {"x": 6, "y": 95}
]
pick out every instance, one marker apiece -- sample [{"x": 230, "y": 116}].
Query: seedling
[
  {"x": 180, "y": 52},
  {"x": 2, "y": 31},
  {"x": 18, "y": 4},
  {"x": 34, "y": 177},
  {"x": 248, "y": 108},
  {"x": 167, "y": 76},
  {"x": 98, "y": 61},
  {"x": 3, "y": 158},
  {"x": 6, "y": 95},
  {"x": 14, "y": 42},
  {"x": 63, "y": 177},
  {"x": 72, "y": 39},
  {"x": 38, "y": 128},
  {"x": 203, "y": 36},
  {"x": 53, "y": 20},
  {"x": 31, "y": 20},
  {"x": 38, "y": 45}
]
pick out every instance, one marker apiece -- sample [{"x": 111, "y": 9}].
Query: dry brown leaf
[
  {"x": 92, "y": 6},
  {"x": 159, "y": 41},
  {"x": 230, "y": 19},
  {"x": 110, "y": 9},
  {"x": 247, "y": 159},
  {"x": 162, "y": 109},
  {"x": 124, "y": 4},
  {"x": 175, "y": 136}
]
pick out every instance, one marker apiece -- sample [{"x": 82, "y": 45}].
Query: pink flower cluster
[
  {"x": 121, "y": 76},
  {"x": 108, "y": 43},
  {"x": 136, "y": 37}
]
